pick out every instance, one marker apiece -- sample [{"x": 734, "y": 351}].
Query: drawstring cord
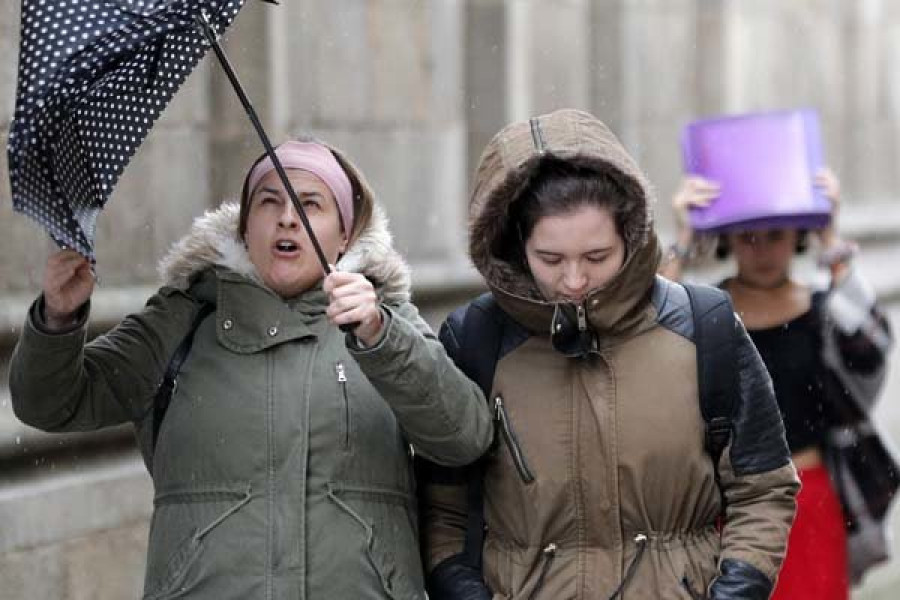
[
  {"x": 641, "y": 541},
  {"x": 687, "y": 585},
  {"x": 549, "y": 554}
]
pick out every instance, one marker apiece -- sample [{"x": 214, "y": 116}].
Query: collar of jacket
[
  {"x": 251, "y": 318},
  {"x": 619, "y": 310},
  {"x": 213, "y": 242}
]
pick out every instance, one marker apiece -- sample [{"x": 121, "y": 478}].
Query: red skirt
[{"x": 815, "y": 567}]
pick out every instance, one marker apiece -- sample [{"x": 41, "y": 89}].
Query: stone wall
[{"x": 412, "y": 90}]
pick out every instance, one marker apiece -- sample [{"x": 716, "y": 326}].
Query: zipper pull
[
  {"x": 582, "y": 318},
  {"x": 550, "y": 550},
  {"x": 341, "y": 374},
  {"x": 498, "y": 409}
]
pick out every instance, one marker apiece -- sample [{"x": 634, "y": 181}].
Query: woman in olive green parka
[{"x": 283, "y": 465}]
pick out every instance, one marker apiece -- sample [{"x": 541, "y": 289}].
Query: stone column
[
  {"x": 871, "y": 130},
  {"x": 518, "y": 64},
  {"x": 785, "y": 55},
  {"x": 383, "y": 81},
  {"x": 645, "y": 82},
  {"x": 549, "y": 44},
  {"x": 252, "y": 48},
  {"x": 487, "y": 46}
]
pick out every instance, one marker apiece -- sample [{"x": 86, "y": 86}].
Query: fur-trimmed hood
[
  {"x": 213, "y": 241},
  {"x": 505, "y": 169}
]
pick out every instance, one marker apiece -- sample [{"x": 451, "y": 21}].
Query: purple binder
[{"x": 765, "y": 164}]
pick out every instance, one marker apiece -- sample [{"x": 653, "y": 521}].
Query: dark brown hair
[{"x": 557, "y": 187}]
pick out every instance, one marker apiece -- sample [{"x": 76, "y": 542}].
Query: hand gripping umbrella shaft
[
  {"x": 210, "y": 34},
  {"x": 270, "y": 150}
]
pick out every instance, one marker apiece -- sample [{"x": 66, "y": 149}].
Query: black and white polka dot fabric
[{"x": 94, "y": 75}]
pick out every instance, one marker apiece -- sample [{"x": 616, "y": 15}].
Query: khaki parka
[
  {"x": 283, "y": 466},
  {"x": 598, "y": 485}
]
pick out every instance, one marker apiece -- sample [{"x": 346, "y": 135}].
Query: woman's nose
[
  {"x": 574, "y": 278},
  {"x": 289, "y": 218}
]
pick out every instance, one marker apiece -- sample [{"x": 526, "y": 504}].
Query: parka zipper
[
  {"x": 512, "y": 442},
  {"x": 342, "y": 381},
  {"x": 549, "y": 554},
  {"x": 582, "y": 318},
  {"x": 270, "y": 479}
]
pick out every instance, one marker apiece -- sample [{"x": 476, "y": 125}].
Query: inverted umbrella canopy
[{"x": 94, "y": 76}]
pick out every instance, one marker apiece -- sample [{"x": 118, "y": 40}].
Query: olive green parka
[{"x": 283, "y": 467}]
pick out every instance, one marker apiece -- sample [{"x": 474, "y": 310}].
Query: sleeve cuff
[
  {"x": 356, "y": 346},
  {"x": 850, "y": 303},
  {"x": 39, "y": 322}
]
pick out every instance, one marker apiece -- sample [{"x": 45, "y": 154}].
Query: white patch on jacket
[{"x": 214, "y": 241}]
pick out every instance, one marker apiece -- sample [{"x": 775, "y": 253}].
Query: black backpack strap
[
  {"x": 170, "y": 379},
  {"x": 717, "y": 375},
  {"x": 477, "y": 336},
  {"x": 480, "y": 339}
]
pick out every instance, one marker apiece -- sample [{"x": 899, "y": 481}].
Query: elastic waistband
[{"x": 665, "y": 539}]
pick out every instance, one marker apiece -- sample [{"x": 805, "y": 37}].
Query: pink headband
[{"x": 318, "y": 160}]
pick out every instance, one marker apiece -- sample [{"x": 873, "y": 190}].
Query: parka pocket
[
  {"x": 504, "y": 424},
  {"x": 691, "y": 560},
  {"x": 497, "y": 567},
  {"x": 387, "y": 522},
  {"x": 179, "y": 527}
]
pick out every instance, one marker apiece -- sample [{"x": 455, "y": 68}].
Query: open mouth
[{"x": 286, "y": 247}]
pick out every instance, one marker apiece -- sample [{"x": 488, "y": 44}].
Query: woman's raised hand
[
  {"x": 834, "y": 252},
  {"x": 68, "y": 284},
  {"x": 694, "y": 192},
  {"x": 830, "y": 185},
  {"x": 352, "y": 299}
]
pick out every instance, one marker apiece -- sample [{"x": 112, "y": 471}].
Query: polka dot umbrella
[{"x": 94, "y": 75}]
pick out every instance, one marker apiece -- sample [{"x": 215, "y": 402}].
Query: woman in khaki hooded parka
[
  {"x": 598, "y": 485},
  {"x": 282, "y": 468}
]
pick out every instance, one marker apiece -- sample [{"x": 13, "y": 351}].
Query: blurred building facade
[{"x": 413, "y": 89}]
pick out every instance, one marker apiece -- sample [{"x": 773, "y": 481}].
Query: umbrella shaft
[{"x": 270, "y": 150}]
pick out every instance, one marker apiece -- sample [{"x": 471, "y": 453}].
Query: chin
[
  {"x": 288, "y": 288},
  {"x": 768, "y": 280}
]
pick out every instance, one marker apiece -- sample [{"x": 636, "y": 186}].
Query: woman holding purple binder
[{"x": 821, "y": 348}]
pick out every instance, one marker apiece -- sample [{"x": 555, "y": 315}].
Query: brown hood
[{"x": 505, "y": 168}]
